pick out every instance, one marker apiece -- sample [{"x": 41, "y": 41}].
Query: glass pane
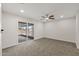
[
  {"x": 30, "y": 31},
  {"x": 22, "y": 28}
]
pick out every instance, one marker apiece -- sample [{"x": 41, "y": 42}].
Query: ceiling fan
[{"x": 48, "y": 17}]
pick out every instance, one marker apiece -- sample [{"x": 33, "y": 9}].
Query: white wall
[
  {"x": 38, "y": 30},
  {"x": 61, "y": 30},
  {"x": 10, "y": 35},
  {"x": 77, "y": 29},
  {"x": 0, "y": 33}
]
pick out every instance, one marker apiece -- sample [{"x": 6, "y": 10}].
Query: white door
[
  {"x": 9, "y": 35},
  {"x": 0, "y": 32}
]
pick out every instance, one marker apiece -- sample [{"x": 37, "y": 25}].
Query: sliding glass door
[
  {"x": 30, "y": 31},
  {"x": 22, "y": 35},
  {"x": 25, "y": 31}
]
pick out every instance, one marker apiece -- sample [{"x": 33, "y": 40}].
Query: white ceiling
[{"x": 36, "y": 10}]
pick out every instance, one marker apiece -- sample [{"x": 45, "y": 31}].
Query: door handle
[{"x": 2, "y": 30}]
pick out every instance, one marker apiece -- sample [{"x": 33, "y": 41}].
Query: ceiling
[{"x": 36, "y": 10}]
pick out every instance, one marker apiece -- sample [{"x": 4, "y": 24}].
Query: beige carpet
[{"x": 42, "y": 47}]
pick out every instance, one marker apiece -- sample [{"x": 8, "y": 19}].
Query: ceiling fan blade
[
  {"x": 51, "y": 18},
  {"x": 43, "y": 16}
]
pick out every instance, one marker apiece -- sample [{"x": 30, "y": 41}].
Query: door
[
  {"x": 30, "y": 31},
  {"x": 22, "y": 31},
  {"x": 25, "y": 31},
  {"x": 0, "y": 32}
]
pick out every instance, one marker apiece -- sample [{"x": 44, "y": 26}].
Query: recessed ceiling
[{"x": 36, "y": 10}]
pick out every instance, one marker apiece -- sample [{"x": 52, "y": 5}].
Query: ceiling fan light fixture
[{"x": 47, "y": 18}]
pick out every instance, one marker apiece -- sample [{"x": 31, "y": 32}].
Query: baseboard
[
  {"x": 38, "y": 38},
  {"x": 9, "y": 46},
  {"x": 58, "y": 40},
  {"x": 61, "y": 41}
]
